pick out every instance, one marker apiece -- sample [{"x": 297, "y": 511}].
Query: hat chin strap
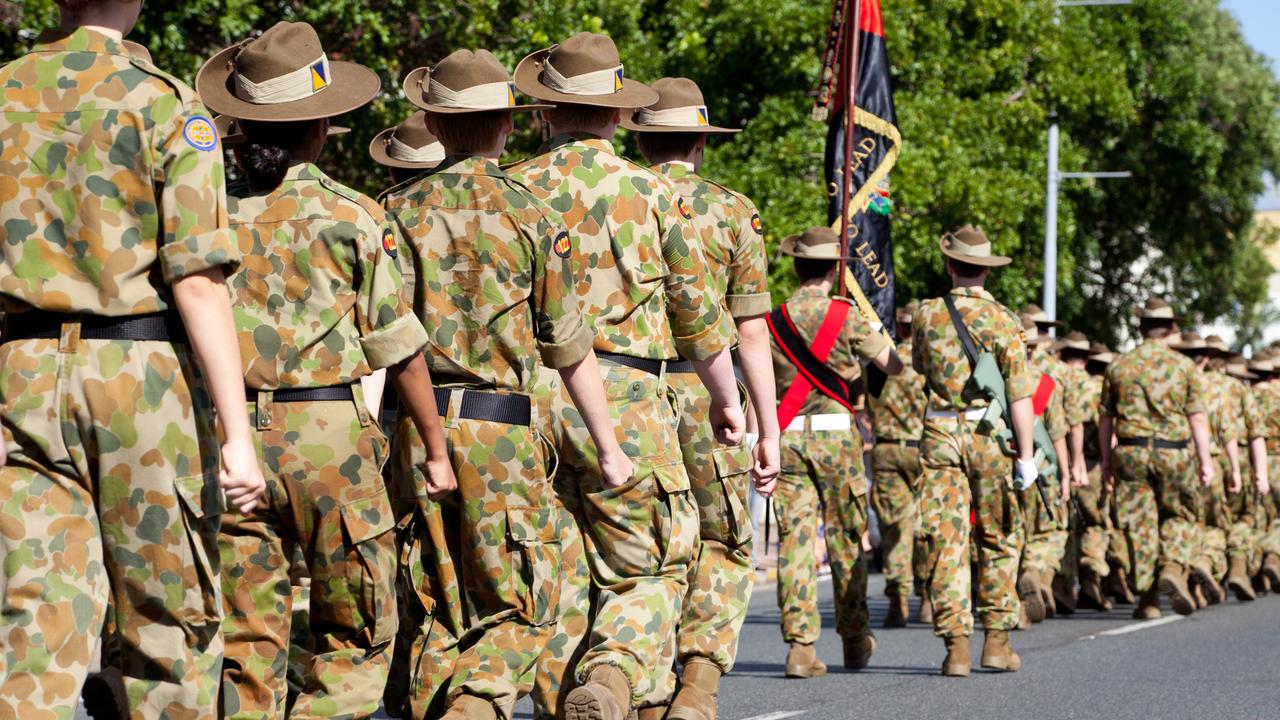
[
  {"x": 688, "y": 116},
  {"x": 597, "y": 82},
  {"x": 489, "y": 96},
  {"x": 431, "y": 153},
  {"x": 299, "y": 84}
]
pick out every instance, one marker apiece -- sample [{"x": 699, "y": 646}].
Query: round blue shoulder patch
[{"x": 200, "y": 134}]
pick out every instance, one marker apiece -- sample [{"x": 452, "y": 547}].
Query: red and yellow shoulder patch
[
  {"x": 683, "y": 208},
  {"x": 389, "y": 242},
  {"x": 756, "y": 224},
  {"x": 562, "y": 246}
]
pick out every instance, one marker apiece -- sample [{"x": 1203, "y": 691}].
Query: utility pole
[{"x": 1053, "y": 179}]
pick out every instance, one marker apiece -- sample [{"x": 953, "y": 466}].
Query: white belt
[
  {"x": 974, "y": 414},
  {"x": 831, "y": 422}
]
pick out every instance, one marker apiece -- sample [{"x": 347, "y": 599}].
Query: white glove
[
  {"x": 1027, "y": 473},
  {"x": 749, "y": 441}
]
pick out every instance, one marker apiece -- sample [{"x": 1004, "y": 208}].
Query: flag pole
[{"x": 849, "y": 66}]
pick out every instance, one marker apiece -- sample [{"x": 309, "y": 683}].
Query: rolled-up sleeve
[
  {"x": 389, "y": 331},
  {"x": 193, "y": 203},
  {"x": 699, "y": 327},
  {"x": 748, "y": 294},
  {"x": 563, "y": 338}
]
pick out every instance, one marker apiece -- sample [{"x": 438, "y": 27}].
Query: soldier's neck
[
  {"x": 959, "y": 282},
  {"x": 111, "y": 32},
  {"x": 822, "y": 285}
]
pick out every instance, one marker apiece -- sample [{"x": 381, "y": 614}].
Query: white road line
[
  {"x": 777, "y": 715},
  {"x": 1144, "y": 625}
]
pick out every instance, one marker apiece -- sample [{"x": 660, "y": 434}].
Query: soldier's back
[
  {"x": 939, "y": 356},
  {"x": 1150, "y": 390}
]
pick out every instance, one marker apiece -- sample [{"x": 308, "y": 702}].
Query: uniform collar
[
  {"x": 675, "y": 170},
  {"x": 978, "y": 292},
  {"x": 469, "y": 165},
  {"x": 585, "y": 141},
  {"x": 811, "y": 291},
  {"x": 304, "y": 172},
  {"x": 85, "y": 40}
]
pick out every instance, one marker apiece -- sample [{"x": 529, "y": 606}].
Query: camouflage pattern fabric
[
  {"x": 1045, "y": 525},
  {"x": 319, "y": 300},
  {"x": 1249, "y": 424},
  {"x": 1216, "y": 520},
  {"x": 639, "y": 273},
  {"x": 494, "y": 291},
  {"x": 821, "y": 473},
  {"x": 1090, "y": 519},
  {"x": 322, "y": 462},
  {"x": 898, "y": 415},
  {"x": 110, "y": 489},
  {"x": 1149, "y": 392},
  {"x": 963, "y": 469}
]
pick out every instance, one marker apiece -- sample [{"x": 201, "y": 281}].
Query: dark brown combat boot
[
  {"x": 1173, "y": 583},
  {"x": 1238, "y": 579},
  {"x": 605, "y": 696},
  {"x": 1148, "y": 605},
  {"x": 957, "y": 662},
  {"x": 470, "y": 707},
  {"x": 898, "y": 612},
  {"x": 1064, "y": 595},
  {"x": 998, "y": 654},
  {"x": 803, "y": 662},
  {"x": 1091, "y": 597},
  {"x": 1271, "y": 570},
  {"x": 699, "y": 686},
  {"x": 1032, "y": 596},
  {"x": 858, "y": 651},
  {"x": 925, "y": 616}
]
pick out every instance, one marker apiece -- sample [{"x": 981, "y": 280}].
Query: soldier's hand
[
  {"x": 728, "y": 423},
  {"x": 241, "y": 475},
  {"x": 1206, "y": 474},
  {"x": 1236, "y": 483},
  {"x": 440, "y": 478},
  {"x": 768, "y": 464},
  {"x": 616, "y": 469},
  {"x": 1260, "y": 483},
  {"x": 1079, "y": 475}
]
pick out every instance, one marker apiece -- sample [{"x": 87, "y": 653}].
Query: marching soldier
[
  {"x": 406, "y": 150},
  {"x": 494, "y": 288},
  {"x": 1156, "y": 401},
  {"x": 319, "y": 306},
  {"x": 672, "y": 135},
  {"x": 1251, "y": 428},
  {"x": 897, "y": 417},
  {"x": 1267, "y": 391},
  {"x": 817, "y": 342},
  {"x": 115, "y": 223},
  {"x": 645, "y": 291},
  {"x": 964, "y": 466}
]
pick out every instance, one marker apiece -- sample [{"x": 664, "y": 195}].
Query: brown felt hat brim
[
  {"x": 352, "y": 86},
  {"x": 413, "y": 91},
  {"x": 629, "y": 122},
  {"x": 378, "y": 151},
  {"x": 991, "y": 261},
  {"x": 632, "y": 96}
]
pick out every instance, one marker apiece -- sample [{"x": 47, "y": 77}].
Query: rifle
[{"x": 985, "y": 381}]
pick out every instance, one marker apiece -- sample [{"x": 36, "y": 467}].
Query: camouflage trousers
[
  {"x": 110, "y": 492},
  {"x": 1158, "y": 504},
  {"x": 479, "y": 572},
  {"x": 1242, "y": 506},
  {"x": 821, "y": 472},
  {"x": 1215, "y": 524},
  {"x": 1089, "y": 524},
  {"x": 627, "y": 552},
  {"x": 1046, "y": 531},
  {"x": 1269, "y": 531},
  {"x": 322, "y": 462},
  {"x": 722, "y": 573},
  {"x": 895, "y": 495},
  {"x": 964, "y": 470}
]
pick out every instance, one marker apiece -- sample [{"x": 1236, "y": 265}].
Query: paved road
[{"x": 1221, "y": 663}]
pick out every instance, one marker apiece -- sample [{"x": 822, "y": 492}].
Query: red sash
[{"x": 823, "y": 343}]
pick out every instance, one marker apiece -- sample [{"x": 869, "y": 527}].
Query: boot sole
[
  {"x": 1241, "y": 588},
  {"x": 585, "y": 703},
  {"x": 1004, "y": 665},
  {"x": 1183, "y": 604},
  {"x": 1029, "y": 593},
  {"x": 957, "y": 671},
  {"x": 1212, "y": 591},
  {"x": 796, "y": 673}
]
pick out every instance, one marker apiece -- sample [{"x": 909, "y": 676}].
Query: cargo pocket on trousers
[
  {"x": 535, "y": 563},
  {"x": 201, "y": 507},
  {"x": 678, "y": 520},
  {"x": 731, "y": 523},
  {"x": 371, "y": 560}
]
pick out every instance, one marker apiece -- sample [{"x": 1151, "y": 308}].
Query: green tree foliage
[{"x": 1166, "y": 90}]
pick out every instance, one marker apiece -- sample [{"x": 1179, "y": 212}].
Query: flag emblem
[
  {"x": 702, "y": 116},
  {"x": 756, "y": 224},
  {"x": 617, "y": 80},
  {"x": 684, "y": 209},
  {"x": 511, "y": 94},
  {"x": 562, "y": 245},
  {"x": 389, "y": 242},
  {"x": 319, "y": 77},
  {"x": 199, "y": 134}
]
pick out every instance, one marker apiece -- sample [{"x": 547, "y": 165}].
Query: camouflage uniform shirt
[
  {"x": 90, "y": 132},
  {"x": 898, "y": 414},
  {"x": 732, "y": 239},
  {"x": 319, "y": 300},
  {"x": 1149, "y": 392},
  {"x": 938, "y": 355},
  {"x": 490, "y": 282},
  {"x": 807, "y": 307},
  {"x": 639, "y": 271}
]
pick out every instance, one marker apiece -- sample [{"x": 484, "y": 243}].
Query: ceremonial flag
[{"x": 876, "y": 144}]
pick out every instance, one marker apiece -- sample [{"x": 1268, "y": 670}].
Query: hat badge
[{"x": 319, "y": 77}]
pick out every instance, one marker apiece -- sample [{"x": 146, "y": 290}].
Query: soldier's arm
[
  {"x": 1233, "y": 461},
  {"x": 1201, "y": 434}
]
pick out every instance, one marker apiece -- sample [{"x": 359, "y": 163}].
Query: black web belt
[
  {"x": 42, "y": 325},
  {"x": 318, "y": 394},
  {"x": 510, "y": 409},
  {"x": 904, "y": 443},
  {"x": 1152, "y": 443},
  {"x": 653, "y": 367}
]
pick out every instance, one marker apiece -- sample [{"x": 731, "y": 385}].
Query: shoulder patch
[
  {"x": 200, "y": 134},
  {"x": 683, "y": 207},
  {"x": 389, "y": 243},
  {"x": 756, "y": 224},
  {"x": 563, "y": 246}
]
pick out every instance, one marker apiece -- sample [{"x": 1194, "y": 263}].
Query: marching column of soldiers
[{"x": 278, "y": 449}]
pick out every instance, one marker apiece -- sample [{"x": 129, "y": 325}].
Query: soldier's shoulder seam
[
  {"x": 371, "y": 207},
  {"x": 185, "y": 93}
]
